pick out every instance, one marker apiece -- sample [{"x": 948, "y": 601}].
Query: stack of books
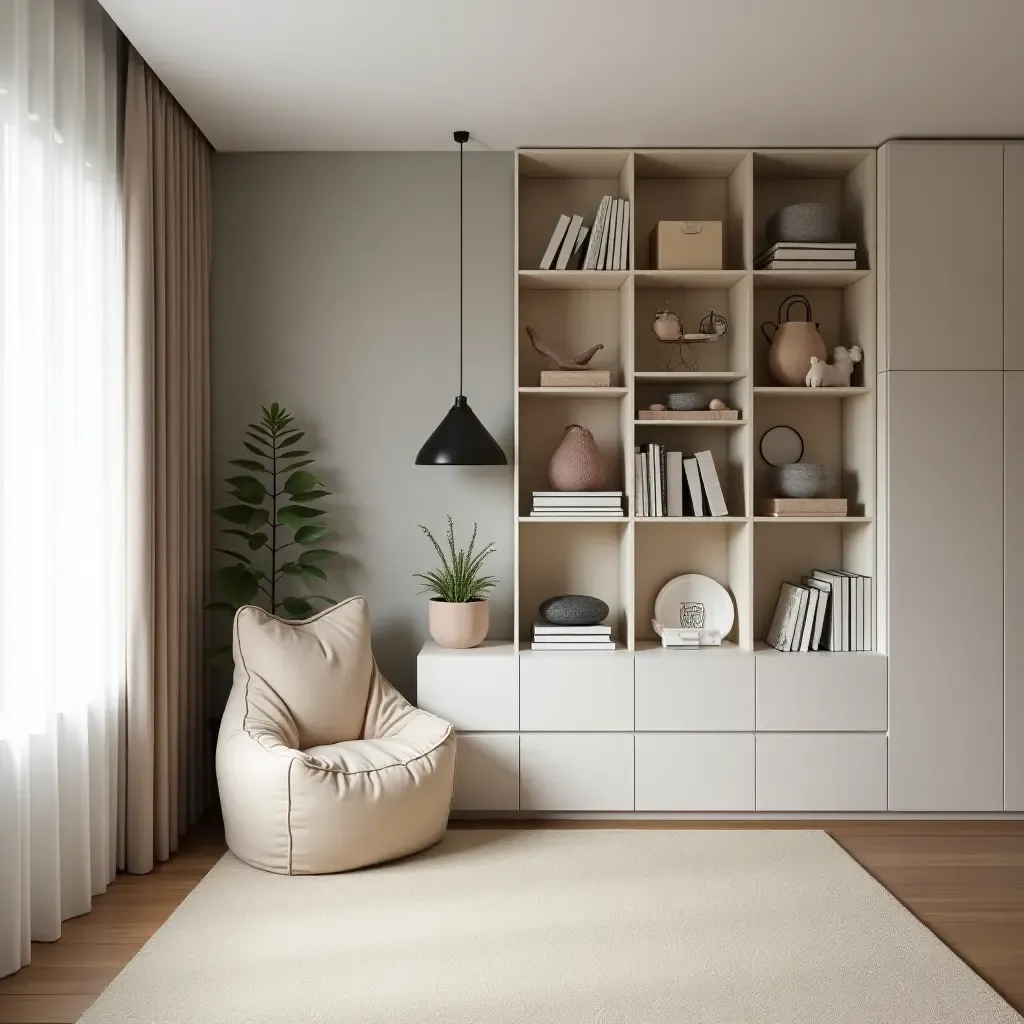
[
  {"x": 667, "y": 484},
  {"x": 808, "y": 256},
  {"x": 571, "y": 504},
  {"x": 830, "y": 610},
  {"x": 547, "y": 637},
  {"x": 602, "y": 245}
]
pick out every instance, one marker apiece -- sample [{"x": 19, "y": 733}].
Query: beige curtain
[{"x": 167, "y": 211}]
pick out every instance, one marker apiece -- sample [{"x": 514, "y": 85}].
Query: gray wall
[{"x": 336, "y": 293}]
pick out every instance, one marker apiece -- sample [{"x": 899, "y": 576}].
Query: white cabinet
[
  {"x": 945, "y": 600},
  {"x": 695, "y": 772},
  {"x": 476, "y": 690},
  {"x": 820, "y": 772},
  {"x": 1013, "y": 257},
  {"x": 1013, "y": 587},
  {"x": 575, "y": 692},
  {"x": 576, "y": 771},
  {"x": 821, "y": 692},
  {"x": 694, "y": 691},
  {"x": 942, "y": 228},
  {"x": 486, "y": 772}
]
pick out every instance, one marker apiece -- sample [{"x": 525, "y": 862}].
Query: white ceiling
[{"x": 403, "y": 74}]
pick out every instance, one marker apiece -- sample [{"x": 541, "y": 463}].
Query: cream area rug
[{"x": 489, "y": 927}]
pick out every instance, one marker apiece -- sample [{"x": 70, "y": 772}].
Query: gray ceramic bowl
[
  {"x": 687, "y": 401},
  {"x": 574, "y": 610},
  {"x": 803, "y": 222},
  {"x": 803, "y": 480}
]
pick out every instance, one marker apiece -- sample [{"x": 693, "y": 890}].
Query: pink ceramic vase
[{"x": 577, "y": 464}]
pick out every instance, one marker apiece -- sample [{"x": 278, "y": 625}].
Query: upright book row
[
  {"x": 601, "y": 245},
  {"x": 829, "y": 611},
  {"x": 669, "y": 485}
]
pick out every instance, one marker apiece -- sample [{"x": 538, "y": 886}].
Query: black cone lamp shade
[{"x": 461, "y": 439}]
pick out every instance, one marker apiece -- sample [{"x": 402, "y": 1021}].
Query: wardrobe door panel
[
  {"x": 1013, "y": 587},
  {"x": 944, "y": 254},
  {"x": 945, "y": 554},
  {"x": 1013, "y": 256}
]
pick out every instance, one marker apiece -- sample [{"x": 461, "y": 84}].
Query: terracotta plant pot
[{"x": 459, "y": 626}]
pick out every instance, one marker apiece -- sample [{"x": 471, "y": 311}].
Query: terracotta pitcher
[{"x": 793, "y": 342}]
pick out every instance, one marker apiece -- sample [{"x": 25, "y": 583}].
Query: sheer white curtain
[{"x": 61, "y": 466}]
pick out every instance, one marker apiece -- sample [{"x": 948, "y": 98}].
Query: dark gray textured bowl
[
  {"x": 803, "y": 222},
  {"x": 574, "y": 610},
  {"x": 803, "y": 480},
  {"x": 687, "y": 401}
]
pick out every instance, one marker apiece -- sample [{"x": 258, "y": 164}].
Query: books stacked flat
[
  {"x": 831, "y": 610},
  {"x": 669, "y": 484},
  {"x": 602, "y": 245},
  {"x": 547, "y": 637},
  {"x": 808, "y": 256},
  {"x": 572, "y": 504}
]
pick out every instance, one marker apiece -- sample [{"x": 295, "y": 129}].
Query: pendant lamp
[{"x": 461, "y": 439}]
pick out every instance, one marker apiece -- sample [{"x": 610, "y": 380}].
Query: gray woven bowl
[
  {"x": 803, "y": 480},
  {"x": 803, "y": 222},
  {"x": 574, "y": 610},
  {"x": 687, "y": 401}
]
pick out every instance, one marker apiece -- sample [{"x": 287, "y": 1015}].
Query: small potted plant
[{"x": 459, "y": 613}]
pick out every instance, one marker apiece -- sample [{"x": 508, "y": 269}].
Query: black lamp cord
[{"x": 461, "y": 244}]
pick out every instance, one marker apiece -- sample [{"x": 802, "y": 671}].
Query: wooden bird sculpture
[{"x": 561, "y": 362}]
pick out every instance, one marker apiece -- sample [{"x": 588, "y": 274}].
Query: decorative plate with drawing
[{"x": 693, "y": 601}]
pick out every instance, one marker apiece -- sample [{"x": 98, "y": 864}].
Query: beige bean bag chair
[{"x": 322, "y": 765}]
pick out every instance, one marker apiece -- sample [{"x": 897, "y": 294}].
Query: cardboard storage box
[{"x": 687, "y": 245}]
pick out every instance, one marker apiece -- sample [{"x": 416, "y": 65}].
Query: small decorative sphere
[
  {"x": 574, "y": 610},
  {"x": 656, "y": 407},
  {"x": 717, "y": 403}
]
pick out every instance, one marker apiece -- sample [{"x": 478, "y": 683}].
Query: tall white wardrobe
[{"x": 951, "y": 457}]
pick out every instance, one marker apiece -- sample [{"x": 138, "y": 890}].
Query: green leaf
[
  {"x": 256, "y": 451},
  {"x": 251, "y": 464},
  {"x": 292, "y": 455},
  {"x": 257, "y": 518},
  {"x": 316, "y": 555},
  {"x": 291, "y": 439},
  {"x": 311, "y": 534},
  {"x": 299, "y": 482},
  {"x": 239, "y": 585},
  {"x": 301, "y": 569},
  {"x": 295, "y": 515},
  {"x": 248, "y": 489},
  {"x": 310, "y": 496},
  {"x": 275, "y": 410},
  {"x": 232, "y": 554},
  {"x": 244, "y": 534},
  {"x": 236, "y": 514},
  {"x": 296, "y": 465},
  {"x": 297, "y": 606},
  {"x": 257, "y": 540},
  {"x": 221, "y": 606}
]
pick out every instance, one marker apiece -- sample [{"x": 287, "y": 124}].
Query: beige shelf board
[
  {"x": 568, "y": 280},
  {"x": 655, "y": 279},
  {"x": 692, "y": 520},
  {"x": 784, "y": 392},
  {"x": 572, "y": 163},
  {"x": 576, "y": 392},
  {"x": 709, "y": 376},
  {"x": 813, "y": 519},
  {"x": 691, "y": 423},
  {"x": 808, "y": 278},
  {"x": 687, "y": 163},
  {"x": 807, "y": 163},
  {"x": 609, "y": 520}
]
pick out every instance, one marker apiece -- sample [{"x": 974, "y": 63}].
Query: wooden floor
[{"x": 964, "y": 880}]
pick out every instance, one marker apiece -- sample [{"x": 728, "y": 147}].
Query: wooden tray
[
  {"x": 803, "y": 507},
  {"x": 575, "y": 378},
  {"x": 697, "y": 414}
]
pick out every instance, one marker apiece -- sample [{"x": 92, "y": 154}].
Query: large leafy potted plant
[
  {"x": 459, "y": 612},
  {"x": 273, "y": 522}
]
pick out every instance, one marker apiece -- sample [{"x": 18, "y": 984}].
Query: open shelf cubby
[{"x": 626, "y": 562}]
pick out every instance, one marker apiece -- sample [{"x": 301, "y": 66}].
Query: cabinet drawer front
[
  {"x": 694, "y": 691},
  {"x": 694, "y": 772},
  {"x": 821, "y": 772},
  {"x": 475, "y": 690},
  {"x": 486, "y": 772},
  {"x": 576, "y": 772},
  {"x": 822, "y": 692},
  {"x": 576, "y": 692}
]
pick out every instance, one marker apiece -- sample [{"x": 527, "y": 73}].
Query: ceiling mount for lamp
[{"x": 461, "y": 439}]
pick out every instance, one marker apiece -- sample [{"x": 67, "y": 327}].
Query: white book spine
[
  {"x": 569, "y": 242},
  {"x": 693, "y": 485},
  {"x": 645, "y": 509},
  {"x": 596, "y": 234},
  {"x": 611, "y": 261},
  {"x": 812, "y": 608},
  {"x": 557, "y": 237},
  {"x": 712, "y": 485},
  {"x": 674, "y": 466},
  {"x": 624, "y": 237},
  {"x": 602, "y": 255}
]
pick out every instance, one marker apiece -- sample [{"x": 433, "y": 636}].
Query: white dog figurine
[{"x": 838, "y": 375}]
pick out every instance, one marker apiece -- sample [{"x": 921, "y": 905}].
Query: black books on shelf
[
  {"x": 667, "y": 484},
  {"x": 573, "y": 504},
  {"x": 549, "y": 637},
  {"x": 808, "y": 256},
  {"x": 601, "y": 245},
  {"x": 829, "y": 610}
]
